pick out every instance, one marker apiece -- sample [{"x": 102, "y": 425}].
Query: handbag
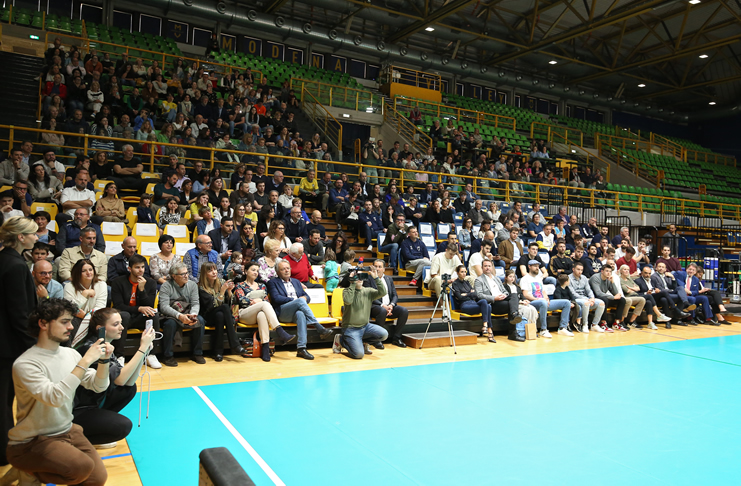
[{"x": 253, "y": 346}]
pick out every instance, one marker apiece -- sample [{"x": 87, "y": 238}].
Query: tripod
[{"x": 444, "y": 299}]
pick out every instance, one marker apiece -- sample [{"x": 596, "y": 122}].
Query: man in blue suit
[
  {"x": 710, "y": 300},
  {"x": 291, "y": 304},
  {"x": 225, "y": 240}
]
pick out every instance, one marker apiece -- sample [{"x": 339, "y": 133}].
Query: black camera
[{"x": 445, "y": 281}]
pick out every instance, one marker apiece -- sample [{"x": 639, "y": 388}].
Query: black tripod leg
[{"x": 429, "y": 323}]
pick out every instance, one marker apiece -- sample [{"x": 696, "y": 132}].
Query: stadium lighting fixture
[
  {"x": 429, "y": 29},
  {"x": 641, "y": 85},
  {"x": 552, "y": 62},
  {"x": 695, "y": 2},
  {"x": 703, "y": 56},
  {"x": 712, "y": 103}
]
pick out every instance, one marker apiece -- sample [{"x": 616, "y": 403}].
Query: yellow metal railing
[
  {"x": 461, "y": 115},
  {"x": 673, "y": 148},
  {"x": 633, "y": 164},
  {"x": 411, "y": 77},
  {"x": 597, "y": 163},
  {"x": 338, "y": 96},
  {"x": 420, "y": 140},
  {"x": 328, "y": 126},
  {"x": 709, "y": 157},
  {"x": 507, "y": 189},
  {"x": 556, "y": 133}
]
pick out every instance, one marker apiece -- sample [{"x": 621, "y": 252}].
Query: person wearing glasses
[
  {"x": 46, "y": 287},
  {"x": 202, "y": 253},
  {"x": 179, "y": 306}
]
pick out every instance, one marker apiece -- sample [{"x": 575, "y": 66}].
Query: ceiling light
[
  {"x": 552, "y": 62},
  {"x": 345, "y": 115},
  {"x": 641, "y": 85},
  {"x": 703, "y": 56},
  {"x": 712, "y": 103},
  {"x": 430, "y": 29},
  {"x": 518, "y": 77},
  {"x": 694, "y": 2}
]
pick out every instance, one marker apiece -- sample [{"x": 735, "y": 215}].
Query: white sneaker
[
  {"x": 597, "y": 328},
  {"x": 663, "y": 318},
  {"x": 565, "y": 332},
  {"x": 370, "y": 248},
  {"x": 546, "y": 334},
  {"x": 121, "y": 360},
  {"x": 153, "y": 362},
  {"x": 336, "y": 345},
  {"x": 109, "y": 445},
  {"x": 652, "y": 326},
  {"x": 585, "y": 329}
]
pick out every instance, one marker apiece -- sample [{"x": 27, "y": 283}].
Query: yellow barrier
[
  {"x": 419, "y": 139},
  {"x": 339, "y": 96},
  {"x": 328, "y": 124},
  {"x": 461, "y": 115},
  {"x": 507, "y": 189},
  {"x": 557, "y": 133},
  {"x": 412, "y": 77},
  {"x": 670, "y": 146}
]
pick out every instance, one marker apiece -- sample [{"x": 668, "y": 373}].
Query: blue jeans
[
  {"x": 550, "y": 281},
  {"x": 353, "y": 337},
  {"x": 170, "y": 326},
  {"x": 298, "y": 311},
  {"x": 171, "y": 115},
  {"x": 598, "y": 307},
  {"x": 559, "y": 304},
  {"x": 482, "y": 306},
  {"x": 393, "y": 250}
]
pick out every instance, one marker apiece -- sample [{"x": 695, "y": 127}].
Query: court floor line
[
  {"x": 690, "y": 355},
  {"x": 243, "y": 442}
]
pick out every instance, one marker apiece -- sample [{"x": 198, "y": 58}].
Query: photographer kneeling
[{"x": 357, "y": 301}]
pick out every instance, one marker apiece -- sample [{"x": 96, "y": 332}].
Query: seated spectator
[
  {"x": 119, "y": 264},
  {"x": 561, "y": 264},
  {"x": 169, "y": 213},
  {"x": 67, "y": 455},
  {"x": 86, "y": 290},
  {"x": 6, "y": 206},
  {"x": 511, "y": 249},
  {"x": 165, "y": 190},
  {"x": 202, "y": 253},
  {"x": 77, "y": 197},
  {"x": 254, "y": 308},
  {"x": 133, "y": 295},
  {"x": 469, "y": 302},
  {"x": 546, "y": 240},
  {"x": 179, "y": 306},
  {"x": 85, "y": 250},
  {"x": 43, "y": 188},
  {"x": 443, "y": 264},
  {"x": 604, "y": 288},
  {"x": 533, "y": 290},
  {"x": 215, "y": 297},
  {"x": 277, "y": 233},
  {"x": 477, "y": 214},
  {"x": 225, "y": 240},
  {"x": 46, "y": 286},
  {"x": 99, "y": 413},
  {"x": 415, "y": 254},
  {"x": 13, "y": 169},
  {"x": 301, "y": 267},
  {"x": 269, "y": 261},
  {"x": 628, "y": 259},
  {"x": 127, "y": 171},
  {"x": 69, "y": 232},
  {"x": 395, "y": 235},
  {"x": 296, "y": 230},
  {"x": 291, "y": 304},
  {"x": 313, "y": 247},
  {"x": 110, "y": 207},
  {"x": 490, "y": 288}
]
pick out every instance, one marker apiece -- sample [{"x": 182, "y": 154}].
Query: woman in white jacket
[{"x": 88, "y": 293}]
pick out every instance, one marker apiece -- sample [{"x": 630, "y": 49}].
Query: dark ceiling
[{"x": 684, "y": 54}]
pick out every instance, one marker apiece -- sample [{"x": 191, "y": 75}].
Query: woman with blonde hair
[
  {"x": 630, "y": 291},
  {"x": 269, "y": 261},
  {"x": 17, "y": 301},
  {"x": 254, "y": 308},
  {"x": 215, "y": 296}
]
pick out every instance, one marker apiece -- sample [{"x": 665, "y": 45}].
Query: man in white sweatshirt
[{"x": 45, "y": 445}]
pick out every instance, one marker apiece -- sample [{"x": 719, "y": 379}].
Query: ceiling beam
[
  {"x": 667, "y": 57},
  {"x": 589, "y": 27},
  {"x": 275, "y": 6},
  {"x": 439, "y": 14},
  {"x": 729, "y": 79}
]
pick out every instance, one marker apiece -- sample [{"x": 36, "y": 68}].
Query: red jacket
[
  {"x": 62, "y": 90},
  {"x": 630, "y": 262},
  {"x": 300, "y": 270}
]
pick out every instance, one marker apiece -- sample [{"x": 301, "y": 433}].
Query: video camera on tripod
[{"x": 444, "y": 282}]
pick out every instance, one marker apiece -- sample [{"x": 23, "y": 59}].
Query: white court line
[{"x": 250, "y": 450}]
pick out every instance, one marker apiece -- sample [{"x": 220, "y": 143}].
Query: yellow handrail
[
  {"x": 709, "y": 157},
  {"x": 506, "y": 188},
  {"x": 412, "y": 77},
  {"x": 361, "y": 99},
  {"x": 461, "y": 114},
  {"x": 557, "y": 133},
  {"x": 635, "y": 165},
  {"x": 419, "y": 139},
  {"x": 323, "y": 119}
]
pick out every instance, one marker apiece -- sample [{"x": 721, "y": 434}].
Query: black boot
[
  {"x": 265, "y": 351},
  {"x": 283, "y": 336}
]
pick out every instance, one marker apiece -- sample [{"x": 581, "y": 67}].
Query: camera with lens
[{"x": 445, "y": 281}]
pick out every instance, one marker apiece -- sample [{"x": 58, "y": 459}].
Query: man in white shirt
[
  {"x": 45, "y": 445},
  {"x": 533, "y": 290},
  {"x": 78, "y": 196},
  {"x": 197, "y": 126},
  {"x": 443, "y": 264},
  {"x": 475, "y": 261}
]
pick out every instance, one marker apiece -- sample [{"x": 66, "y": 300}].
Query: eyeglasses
[
  {"x": 45, "y": 274},
  {"x": 181, "y": 274}
]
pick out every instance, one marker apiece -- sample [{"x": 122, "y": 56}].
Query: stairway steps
[{"x": 19, "y": 88}]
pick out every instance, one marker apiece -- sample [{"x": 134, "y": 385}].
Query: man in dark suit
[
  {"x": 651, "y": 285},
  {"x": 133, "y": 295},
  {"x": 388, "y": 306},
  {"x": 119, "y": 264},
  {"x": 224, "y": 239},
  {"x": 663, "y": 280},
  {"x": 710, "y": 299},
  {"x": 291, "y": 304},
  {"x": 428, "y": 195}
]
